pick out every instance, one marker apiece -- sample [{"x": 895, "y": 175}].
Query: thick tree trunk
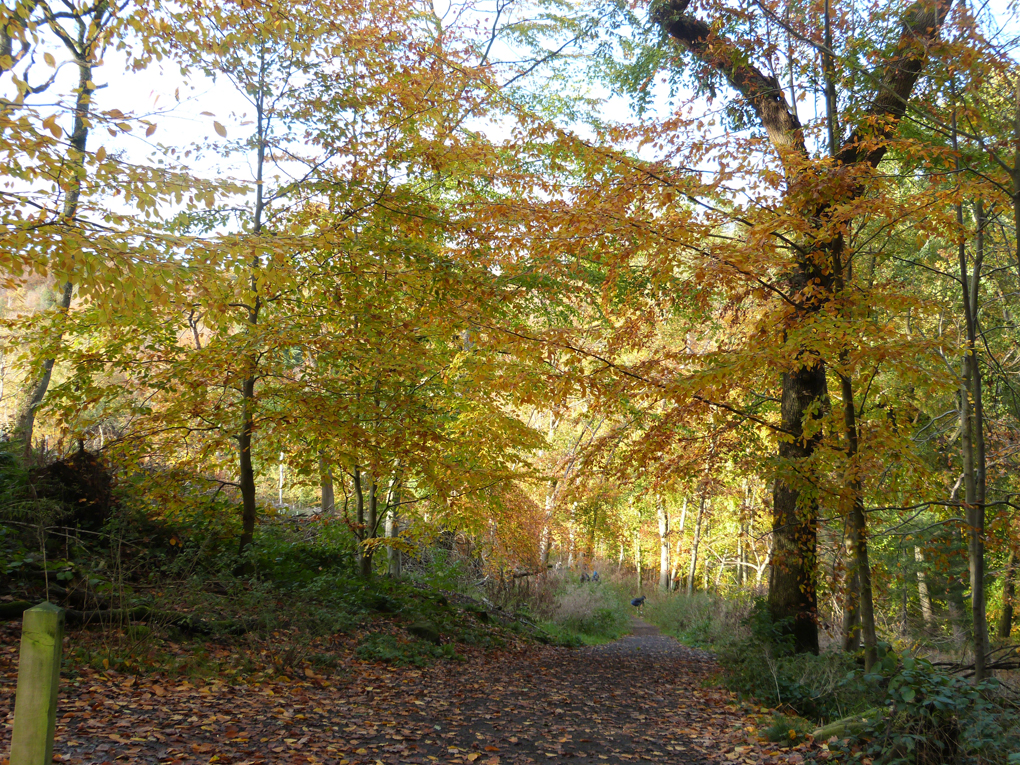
[{"x": 794, "y": 527}]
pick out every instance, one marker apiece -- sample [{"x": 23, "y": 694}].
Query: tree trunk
[
  {"x": 371, "y": 527},
  {"x": 392, "y": 554},
  {"x": 327, "y": 496},
  {"x": 571, "y": 537},
  {"x": 637, "y": 556},
  {"x": 663, "y": 518},
  {"x": 249, "y": 508},
  {"x": 957, "y": 611},
  {"x": 972, "y": 441},
  {"x": 1008, "y": 597},
  {"x": 84, "y": 58},
  {"x": 851, "y": 631},
  {"x": 545, "y": 541},
  {"x": 676, "y": 578},
  {"x": 858, "y": 527},
  {"x": 792, "y": 576},
  {"x": 740, "y": 556},
  {"x": 696, "y": 541},
  {"x": 904, "y": 613},
  {"x": 794, "y": 529},
  {"x": 922, "y": 588},
  {"x": 359, "y": 520}
]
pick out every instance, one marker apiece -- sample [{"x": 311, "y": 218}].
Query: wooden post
[{"x": 35, "y": 706}]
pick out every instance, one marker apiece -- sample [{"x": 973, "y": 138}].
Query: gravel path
[
  {"x": 646, "y": 641},
  {"x": 639, "y": 699}
]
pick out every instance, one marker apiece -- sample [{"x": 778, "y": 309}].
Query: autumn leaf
[{"x": 50, "y": 123}]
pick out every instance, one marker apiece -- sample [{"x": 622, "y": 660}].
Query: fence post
[{"x": 35, "y": 705}]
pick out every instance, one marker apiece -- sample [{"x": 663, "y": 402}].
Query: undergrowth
[{"x": 585, "y": 613}]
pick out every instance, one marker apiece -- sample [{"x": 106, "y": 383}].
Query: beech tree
[{"x": 819, "y": 189}]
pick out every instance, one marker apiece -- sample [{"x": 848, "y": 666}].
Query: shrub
[
  {"x": 933, "y": 718},
  {"x": 762, "y": 664}
]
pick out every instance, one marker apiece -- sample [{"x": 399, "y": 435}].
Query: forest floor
[{"x": 642, "y": 699}]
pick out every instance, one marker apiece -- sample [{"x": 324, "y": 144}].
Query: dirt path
[{"x": 642, "y": 699}]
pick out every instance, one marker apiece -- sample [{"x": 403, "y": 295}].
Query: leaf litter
[{"x": 642, "y": 699}]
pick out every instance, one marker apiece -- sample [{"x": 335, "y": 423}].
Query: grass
[
  {"x": 585, "y": 613},
  {"x": 702, "y": 620}
]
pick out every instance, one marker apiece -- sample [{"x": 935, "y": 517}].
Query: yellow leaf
[
  {"x": 117, "y": 114},
  {"x": 150, "y": 130},
  {"x": 50, "y": 123},
  {"x": 100, "y": 154},
  {"x": 220, "y": 130},
  {"x": 48, "y": 58}
]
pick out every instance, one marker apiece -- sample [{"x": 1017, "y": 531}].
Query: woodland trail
[{"x": 642, "y": 699}]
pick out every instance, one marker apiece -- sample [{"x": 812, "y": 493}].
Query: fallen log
[
  {"x": 13, "y": 610},
  {"x": 186, "y": 622},
  {"x": 848, "y": 725}
]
